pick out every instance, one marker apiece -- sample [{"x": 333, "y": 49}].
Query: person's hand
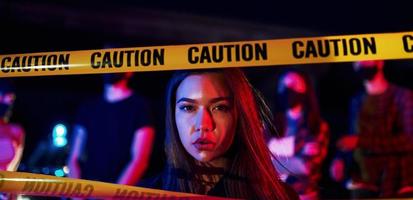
[
  {"x": 311, "y": 149},
  {"x": 283, "y": 147},
  {"x": 348, "y": 143},
  {"x": 337, "y": 170}
]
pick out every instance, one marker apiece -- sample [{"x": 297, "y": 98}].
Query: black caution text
[
  {"x": 334, "y": 47},
  {"x": 227, "y": 53}
]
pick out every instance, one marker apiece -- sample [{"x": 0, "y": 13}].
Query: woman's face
[{"x": 205, "y": 116}]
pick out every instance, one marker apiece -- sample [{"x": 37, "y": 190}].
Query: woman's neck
[
  {"x": 221, "y": 162},
  {"x": 210, "y": 173}
]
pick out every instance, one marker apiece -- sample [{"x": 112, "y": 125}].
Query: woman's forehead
[{"x": 203, "y": 85}]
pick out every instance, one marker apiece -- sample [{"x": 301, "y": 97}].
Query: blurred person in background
[
  {"x": 302, "y": 143},
  {"x": 113, "y": 135},
  {"x": 11, "y": 135},
  {"x": 380, "y": 141}
]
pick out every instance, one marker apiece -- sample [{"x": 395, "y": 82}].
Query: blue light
[
  {"x": 59, "y": 135},
  {"x": 59, "y": 172},
  {"x": 59, "y": 130},
  {"x": 60, "y": 141}
]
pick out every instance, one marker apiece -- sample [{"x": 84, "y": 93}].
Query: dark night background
[{"x": 46, "y": 25}]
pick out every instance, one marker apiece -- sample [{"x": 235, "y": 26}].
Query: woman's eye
[
  {"x": 222, "y": 107},
  {"x": 187, "y": 108}
]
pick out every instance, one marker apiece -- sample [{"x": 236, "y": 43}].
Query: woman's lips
[{"x": 204, "y": 144}]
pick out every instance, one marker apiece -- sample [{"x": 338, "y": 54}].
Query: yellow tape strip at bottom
[{"x": 44, "y": 185}]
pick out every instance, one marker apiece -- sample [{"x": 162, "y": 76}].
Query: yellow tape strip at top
[
  {"x": 212, "y": 55},
  {"x": 44, "y": 185}
]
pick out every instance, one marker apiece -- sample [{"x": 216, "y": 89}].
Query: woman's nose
[{"x": 204, "y": 121}]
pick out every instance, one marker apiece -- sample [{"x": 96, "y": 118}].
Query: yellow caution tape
[
  {"x": 212, "y": 55},
  {"x": 44, "y": 185}
]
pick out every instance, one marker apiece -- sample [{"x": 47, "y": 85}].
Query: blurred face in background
[
  {"x": 6, "y": 101},
  {"x": 367, "y": 70},
  {"x": 292, "y": 89},
  {"x": 115, "y": 78},
  {"x": 205, "y": 116}
]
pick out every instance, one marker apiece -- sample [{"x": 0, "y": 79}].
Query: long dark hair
[
  {"x": 250, "y": 156},
  {"x": 312, "y": 116}
]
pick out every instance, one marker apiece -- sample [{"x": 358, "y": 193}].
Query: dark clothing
[
  {"x": 384, "y": 124},
  {"x": 219, "y": 189},
  {"x": 110, "y": 129}
]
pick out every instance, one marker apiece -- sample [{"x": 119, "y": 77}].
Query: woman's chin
[{"x": 203, "y": 157}]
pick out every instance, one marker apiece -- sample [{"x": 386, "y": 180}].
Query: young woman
[{"x": 215, "y": 138}]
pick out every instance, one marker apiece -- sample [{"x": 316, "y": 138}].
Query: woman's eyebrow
[
  {"x": 214, "y": 100},
  {"x": 187, "y": 100}
]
